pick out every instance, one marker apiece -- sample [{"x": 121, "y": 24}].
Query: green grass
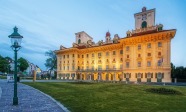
[
  {"x": 3, "y": 77},
  {"x": 109, "y": 97}
]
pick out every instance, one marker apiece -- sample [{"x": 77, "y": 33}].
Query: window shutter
[
  {"x": 130, "y": 75},
  {"x": 162, "y": 75},
  {"x": 124, "y": 75},
  {"x": 142, "y": 75},
  {"x": 156, "y": 75},
  {"x": 136, "y": 75},
  {"x": 151, "y": 75},
  {"x": 145, "y": 75}
]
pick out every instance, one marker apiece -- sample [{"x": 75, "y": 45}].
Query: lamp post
[{"x": 16, "y": 45}]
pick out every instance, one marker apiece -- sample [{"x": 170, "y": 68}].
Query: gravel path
[{"x": 30, "y": 99}]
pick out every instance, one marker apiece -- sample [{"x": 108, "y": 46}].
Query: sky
[{"x": 47, "y": 24}]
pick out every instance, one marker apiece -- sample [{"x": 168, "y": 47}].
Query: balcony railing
[{"x": 96, "y": 70}]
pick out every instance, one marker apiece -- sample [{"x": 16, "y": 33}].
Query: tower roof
[{"x": 108, "y": 34}]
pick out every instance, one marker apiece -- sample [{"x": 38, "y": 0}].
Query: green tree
[
  {"x": 173, "y": 71},
  {"x": 23, "y": 64},
  {"x": 9, "y": 60},
  {"x": 51, "y": 62},
  {"x": 3, "y": 64}
]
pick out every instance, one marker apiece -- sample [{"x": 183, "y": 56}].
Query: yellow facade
[{"x": 139, "y": 57}]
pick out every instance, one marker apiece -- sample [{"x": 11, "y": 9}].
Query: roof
[{"x": 149, "y": 32}]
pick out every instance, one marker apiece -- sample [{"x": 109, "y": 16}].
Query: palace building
[{"x": 143, "y": 55}]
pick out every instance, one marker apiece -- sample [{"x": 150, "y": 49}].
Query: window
[
  {"x": 64, "y": 68},
  {"x": 107, "y": 67},
  {"x": 64, "y": 56},
  {"x": 139, "y": 55},
  {"x": 107, "y": 60},
  {"x": 121, "y": 51},
  {"x": 148, "y": 54},
  {"x": 67, "y": 56},
  {"x": 87, "y": 62},
  {"x": 68, "y": 61},
  {"x": 127, "y": 48},
  {"x": 99, "y": 67},
  {"x": 159, "y": 75},
  {"x": 139, "y": 64},
  {"x": 87, "y": 67},
  {"x": 149, "y": 45},
  {"x": 159, "y": 62},
  {"x": 121, "y": 59},
  {"x": 107, "y": 53},
  {"x": 78, "y": 67},
  {"x": 87, "y": 55},
  {"x": 92, "y": 67},
  {"x": 148, "y": 63},
  {"x": 121, "y": 66},
  {"x": 139, "y": 47},
  {"x": 127, "y": 75},
  {"x": 99, "y": 61},
  {"x": 72, "y": 55},
  {"x": 159, "y": 44},
  {"x": 73, "y": 61},
  {"x": 73, "y": 68},
  {"x": 68, "y": 67},
  {"x": 99, "y": 54},
  {"x": 127, "y": 56},
  {"x": 92, "y": 61},
  {"x": 114, "y": 52},
  {"x": 159, "y": 53},
  {"x": 114, "y": 67},
  {"x": 139, "y": 75},
  {"x": 148, "y": 75},
  {"x": 78, "y": 56},
  {"x": 82, "y": 56},
  {"x": 127, "y": 64},
  {"x": 114, "y": 60},
  {"x": 92, "y": 55}
]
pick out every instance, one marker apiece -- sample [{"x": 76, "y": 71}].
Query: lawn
[
  {"x": 3, "y": 77},
  {"x": 113, "y": 97}
]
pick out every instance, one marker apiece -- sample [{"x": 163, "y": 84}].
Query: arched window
[
  {"x": 79, "y": 41},
  {"x": 144, "y": 24}
]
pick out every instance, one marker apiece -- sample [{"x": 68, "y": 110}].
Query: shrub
[{"x": 164, "y": 91}]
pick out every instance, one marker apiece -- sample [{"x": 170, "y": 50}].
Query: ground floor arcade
[{"x": 129, "y": 76}]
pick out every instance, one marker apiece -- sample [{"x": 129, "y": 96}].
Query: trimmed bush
[{"x": 164, "y": 91}]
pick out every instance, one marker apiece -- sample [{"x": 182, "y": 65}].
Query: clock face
[{"x": 144, "y": 17}]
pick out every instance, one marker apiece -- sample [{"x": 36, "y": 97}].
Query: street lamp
[{"x": 16, "y": 45}]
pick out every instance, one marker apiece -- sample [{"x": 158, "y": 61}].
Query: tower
[
  {"x": 144, "y": 19},
  {"x": 107, "y": 37}
]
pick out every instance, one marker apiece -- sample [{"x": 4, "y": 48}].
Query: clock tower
[{"x": 144, "y": 19}]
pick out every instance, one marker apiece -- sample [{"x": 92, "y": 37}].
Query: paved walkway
[{"x": 30, "y": 99}]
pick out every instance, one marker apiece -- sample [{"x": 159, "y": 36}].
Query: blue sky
[{"x": 47, "y": 24}]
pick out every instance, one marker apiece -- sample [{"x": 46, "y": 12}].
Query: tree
[
  {"x": 23, "y": 64},
  {"x": 173, "y": 71},
  {"x": 3, "y": 64},
  {"x": 51, "y": 62}
]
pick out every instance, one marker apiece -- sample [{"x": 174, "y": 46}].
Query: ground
[{"x": 113, "y": 97}]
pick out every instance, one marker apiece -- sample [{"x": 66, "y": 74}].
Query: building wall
[{"x": 66, "y": 61}]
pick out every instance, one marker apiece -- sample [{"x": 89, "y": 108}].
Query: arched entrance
[{"x": 144, "y": 24}]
